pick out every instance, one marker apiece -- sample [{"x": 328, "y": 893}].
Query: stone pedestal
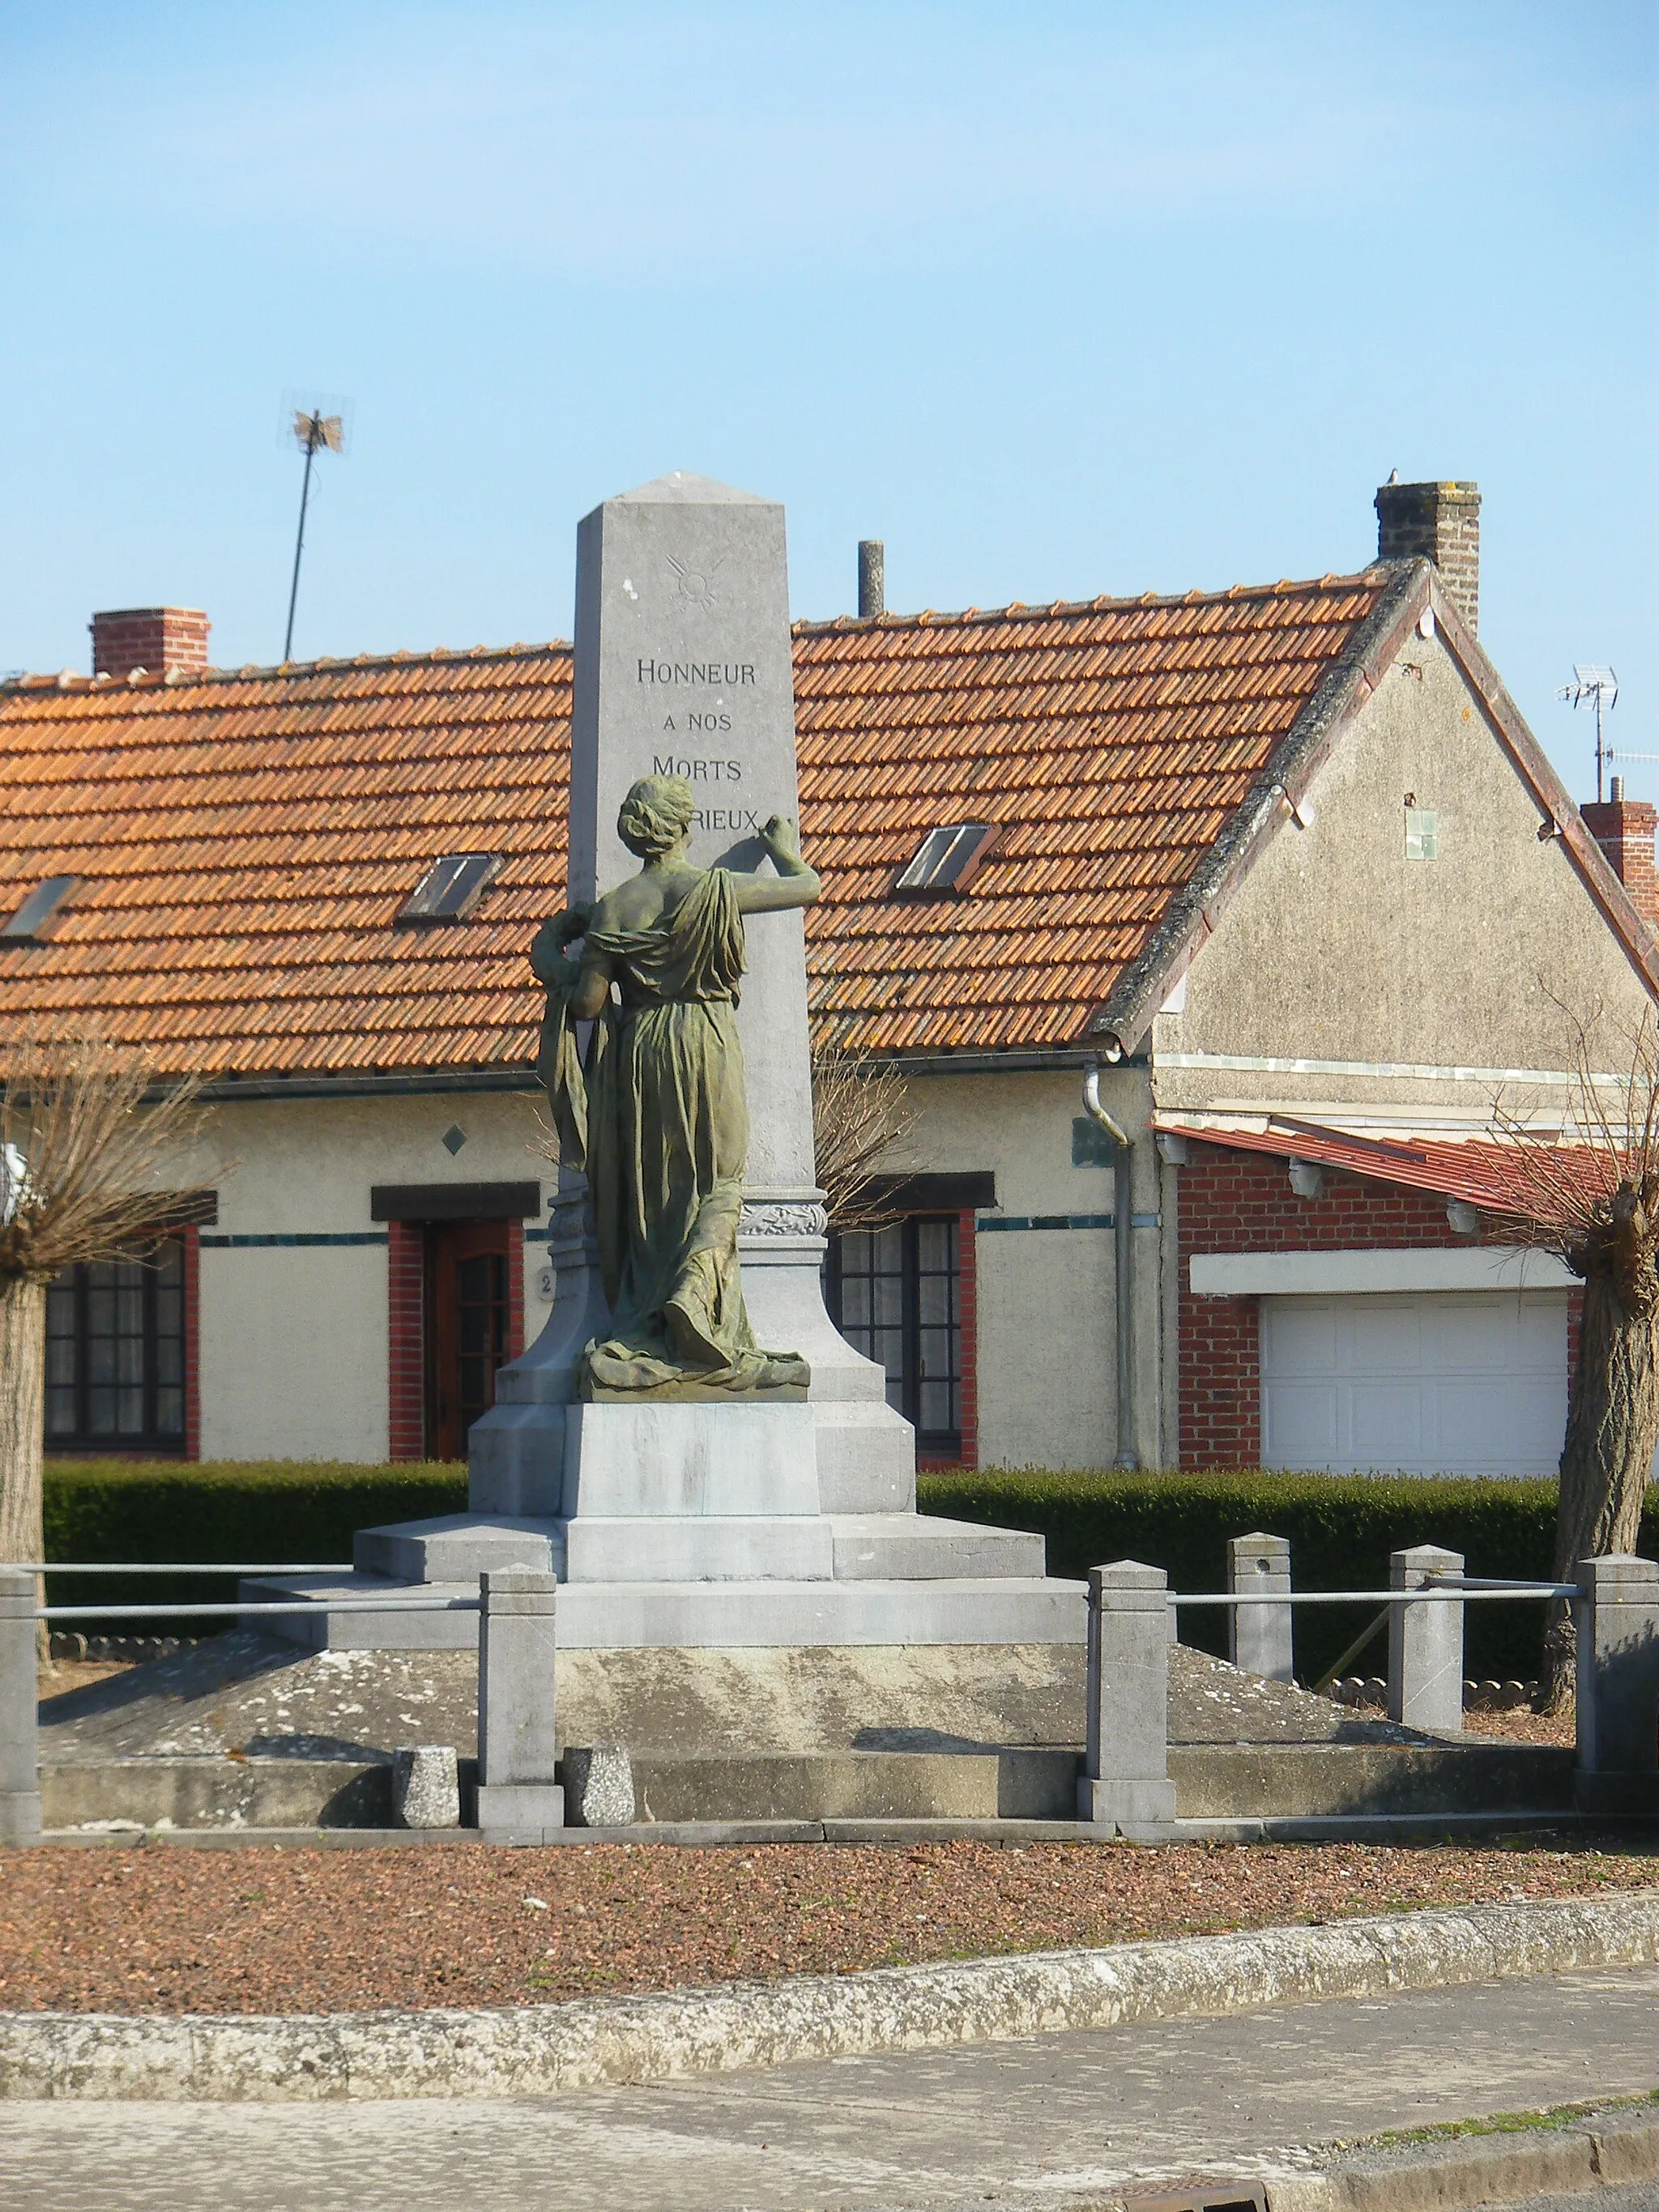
[
  {"x": 1618, "y": 1686},
  {"x": 1426, "y": 1643},
  {"x": 1126, "y": 1782},
  {"x": 518, "y": 1650},
  {"x": 19, "y": 1758},
  {"x": 1260, "y": 1635}
]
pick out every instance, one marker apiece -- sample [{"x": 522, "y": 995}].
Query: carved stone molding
[{"x": 783, "y": 1218}]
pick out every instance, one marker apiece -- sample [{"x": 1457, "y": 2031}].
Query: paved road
[{"x": 1050, "y": 2122}]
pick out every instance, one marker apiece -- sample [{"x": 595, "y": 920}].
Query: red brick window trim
[{"x": 406, "y": 1290}]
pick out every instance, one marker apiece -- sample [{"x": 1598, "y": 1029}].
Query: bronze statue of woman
[{"x": 657, "y": 1117}]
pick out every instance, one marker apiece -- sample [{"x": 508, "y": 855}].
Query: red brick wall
[
  {"x": 192, "y": 1264},
  {"x": 1237, "y": 1201},
  {"x": 152, "y": 638},
  {"x": 405, "y": 1283}
]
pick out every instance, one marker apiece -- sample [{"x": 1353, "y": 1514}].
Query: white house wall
[
  {"x": 1338, "y": 948},
  {"x": 293, "y": 1338},
  {"x": 1047, "y": 1333}
]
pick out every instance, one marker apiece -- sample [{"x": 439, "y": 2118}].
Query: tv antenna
[
  {"x": 314, "y": 433},
  {"x": 1597, "y": 687}
]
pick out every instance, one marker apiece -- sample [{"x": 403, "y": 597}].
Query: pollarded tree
[
  {"x": 1593, "y": 1199},
  {"x": 82, "y": 1145}
]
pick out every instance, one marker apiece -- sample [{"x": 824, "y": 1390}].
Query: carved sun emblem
[{"x": 695, "y": 585}]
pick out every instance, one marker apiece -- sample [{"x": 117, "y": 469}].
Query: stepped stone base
[{"x": 722, "y": 1614}]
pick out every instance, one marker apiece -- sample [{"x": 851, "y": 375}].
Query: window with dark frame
[
  {"x": 946, "y": 860},
  {"x": 450, "y": 888},
  {"x": 115, "y": 1354},
  {"x": 895, "y": 1296}
]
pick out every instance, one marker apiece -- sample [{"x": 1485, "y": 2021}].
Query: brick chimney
[
  {"x": 152, "y": 638},
  {"x": 1624, "y": 828},
  {"x": 1441, "y": 523}
]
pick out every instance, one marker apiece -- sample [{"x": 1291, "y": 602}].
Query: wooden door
[{"x": 467, "y": 1309}]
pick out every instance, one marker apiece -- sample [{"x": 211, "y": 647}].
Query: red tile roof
[{"x": 244, "y": 839}]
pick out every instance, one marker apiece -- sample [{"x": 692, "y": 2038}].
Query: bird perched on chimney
[{"x": 1393, "y": 476}]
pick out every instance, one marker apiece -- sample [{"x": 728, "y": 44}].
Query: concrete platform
[
  {"x": 252, "y": 1732},
  {"x": 457, "y": 1547},
  {"x": 723, "y": 1615}
]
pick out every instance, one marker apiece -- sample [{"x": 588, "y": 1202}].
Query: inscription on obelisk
[{"x": 684, "y": 668}]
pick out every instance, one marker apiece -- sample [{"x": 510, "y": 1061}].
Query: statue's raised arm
[{"x": 794, "y": 884}]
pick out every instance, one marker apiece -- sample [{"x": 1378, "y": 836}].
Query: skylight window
[
  {"x": 451, "y": 887},
  {"x": 33, "y": 920},
  {"x": 947, "y": 860}
]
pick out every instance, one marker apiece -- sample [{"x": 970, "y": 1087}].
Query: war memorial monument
[{"x": 690, "y": 1446}]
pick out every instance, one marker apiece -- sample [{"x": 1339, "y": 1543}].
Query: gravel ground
[
  {"x": 1521, "y": 1725},
  {"x": 58, "y": 1677},
  {"x": 159, "y": 1929}
]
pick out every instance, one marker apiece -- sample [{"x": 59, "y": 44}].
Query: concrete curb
[
  {"x": 535, "y": 2050},
  {"x": 1596, "y": 2152}
]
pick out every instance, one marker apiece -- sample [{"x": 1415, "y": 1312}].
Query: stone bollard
[
  {"x": 598, "y": 1786},
  {"x": 20, "y": 1753},
  {"x": 518, "y": 1648},
  {"x": 1259, "y": 1635},
  {"x": 1126, "y": 1782},
  {"x": 1426, "y": 1643},
  {"x": 426, "y": 1787},
  {"x": 1618, "y": 1686}
]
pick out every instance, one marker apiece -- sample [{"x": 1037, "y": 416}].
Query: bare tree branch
[
  {"x": 859, "y": 1112},
  {"x": 82, "y": 1153}
]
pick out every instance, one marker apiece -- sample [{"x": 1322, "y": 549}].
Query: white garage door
[{"x": 1459, "y": 1383}]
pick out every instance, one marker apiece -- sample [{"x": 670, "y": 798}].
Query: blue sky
[{"x": 1056, "y": 300}]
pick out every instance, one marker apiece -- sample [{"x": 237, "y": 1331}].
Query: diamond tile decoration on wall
[{"x": 452, "y": 1139}]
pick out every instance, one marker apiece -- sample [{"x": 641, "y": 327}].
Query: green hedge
[
  {"x": 1341, "y": 1529},
  {"x": 248, "y": 1511}
]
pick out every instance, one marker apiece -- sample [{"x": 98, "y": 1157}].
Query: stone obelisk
[{"x": 684, "y": 667}]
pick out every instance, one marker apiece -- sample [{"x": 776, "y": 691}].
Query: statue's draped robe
[{"x": 658, "y": 1118}]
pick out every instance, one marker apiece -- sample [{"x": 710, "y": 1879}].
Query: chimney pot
[
  {"x": 1618, "y": 790},
  {"x": 872, "y": 577},
  {"x": 1437, "y": 522},
  {"x": 128, "y": 638}
]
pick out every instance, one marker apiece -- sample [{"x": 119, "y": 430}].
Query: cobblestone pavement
[{"x": 1051, "y": 2122}]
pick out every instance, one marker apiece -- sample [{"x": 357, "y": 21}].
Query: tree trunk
[
  {"x": 22, "y": 1426},
  {"x": 1612, "y": 1429}
]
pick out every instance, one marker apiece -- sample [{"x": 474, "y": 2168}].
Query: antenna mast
[
  {"x": 311, "y": 432},
  {"x": 1594, "y": 686}
]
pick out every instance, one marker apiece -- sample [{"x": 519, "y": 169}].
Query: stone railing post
[
  {"x": 517, "y": 1648},
  {"x": 1426, "y": 1643},
  {"x": 19, "y": 1752},
  {"x": 1259, "y": 1635},
  {"x": 1618, "y": 1687},
  {"x": 1126, "y": 1782}
]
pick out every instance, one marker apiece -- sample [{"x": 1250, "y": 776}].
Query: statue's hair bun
[{"x": 655, "y": 815}]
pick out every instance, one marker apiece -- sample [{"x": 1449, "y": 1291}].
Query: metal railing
[{"x": 112, "y": 1608}]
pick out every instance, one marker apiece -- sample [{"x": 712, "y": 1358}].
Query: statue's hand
[
  {"x": 547, "y": 955},
  {"x": 781, "y": 838}
]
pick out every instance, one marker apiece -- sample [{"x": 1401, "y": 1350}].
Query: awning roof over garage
[{"x": 1483, "y": 1173}]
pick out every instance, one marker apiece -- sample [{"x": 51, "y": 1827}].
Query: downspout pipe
[{"x": 1122, "y": 1262}]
